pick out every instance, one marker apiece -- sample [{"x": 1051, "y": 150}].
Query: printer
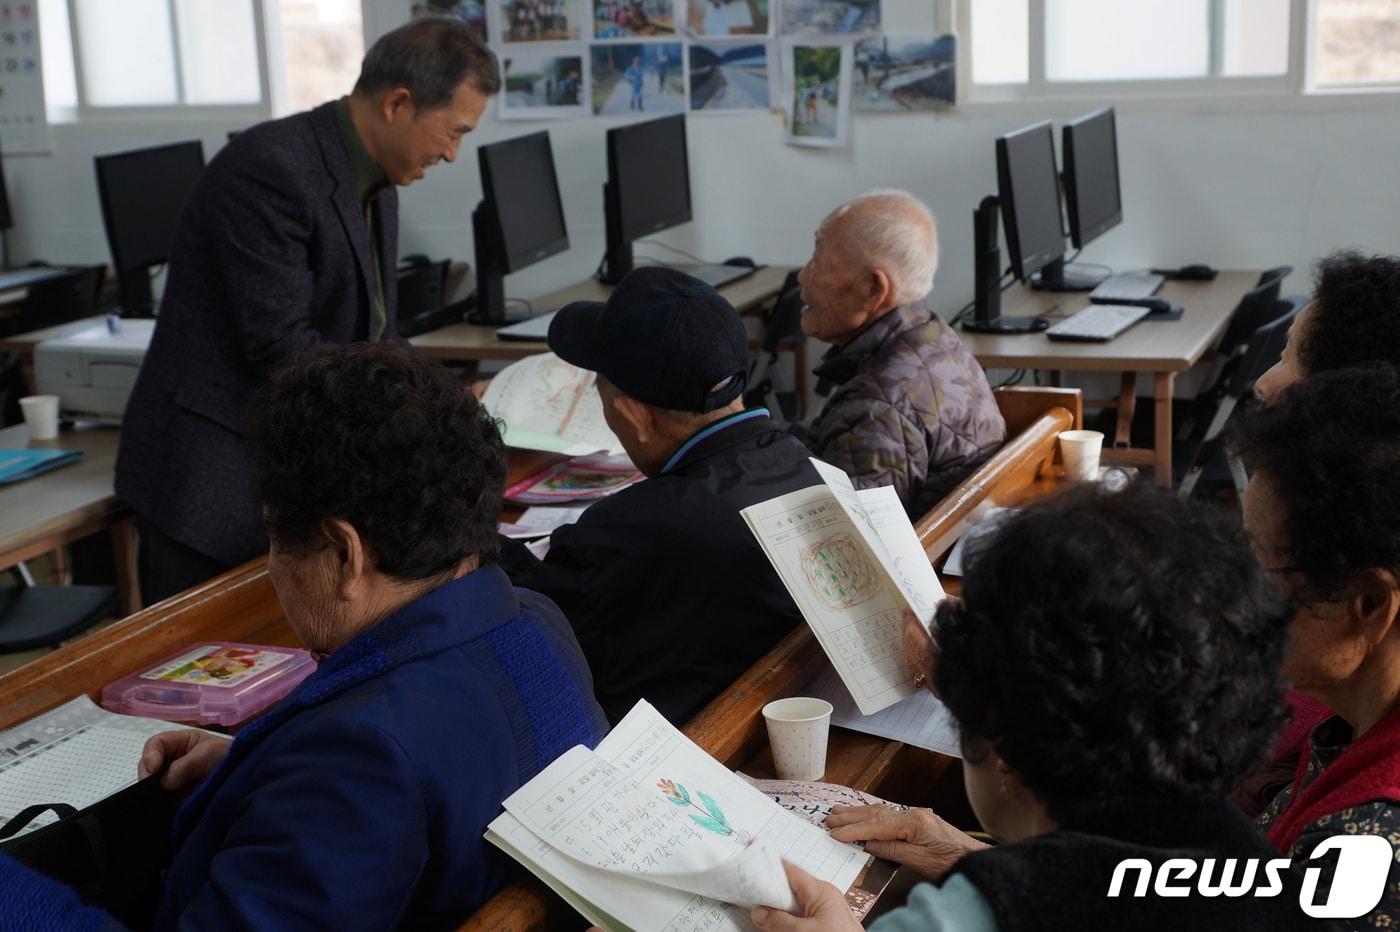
[{"x": 93, "y": 370}]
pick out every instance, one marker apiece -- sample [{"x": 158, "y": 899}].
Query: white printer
[{"x": 93, "y": 370}]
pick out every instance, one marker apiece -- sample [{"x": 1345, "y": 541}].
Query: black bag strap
[{"x": 29, "y": 814}]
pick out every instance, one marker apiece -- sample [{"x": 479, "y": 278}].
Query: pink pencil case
[{"x": 213, "y": 683}]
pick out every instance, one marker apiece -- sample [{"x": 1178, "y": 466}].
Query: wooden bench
[{"x": 731, "y": 727}]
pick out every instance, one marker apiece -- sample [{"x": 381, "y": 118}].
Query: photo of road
[
  {"x": 898, "y": 73},
  {"x": 729, "y": 77},
  {"x": 638, "y": 77}
]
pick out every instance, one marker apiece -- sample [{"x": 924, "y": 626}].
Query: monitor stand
[
  {"x": 986, "y": 260},
  {"x": 1060, "y": 277}
]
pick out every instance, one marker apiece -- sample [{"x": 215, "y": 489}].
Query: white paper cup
[
  {"x": 797, "y": 732},
  {"x": 1080, "y": 450},
  {"x": 41, "y": 414}
]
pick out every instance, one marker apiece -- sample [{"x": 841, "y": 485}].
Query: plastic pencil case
[{"x": 213, "y": 683}]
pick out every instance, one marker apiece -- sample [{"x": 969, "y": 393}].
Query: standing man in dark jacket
[
  {"x": 667, "y": 589},
  {"x": 912, "y": 407},
  {"x": 289, "y": 241}
]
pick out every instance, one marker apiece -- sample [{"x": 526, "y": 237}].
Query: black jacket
[
  {"x": 668, "y": 591},
  {"x": 1060, "y": 880},
  {"x": 272, "y": 257}
]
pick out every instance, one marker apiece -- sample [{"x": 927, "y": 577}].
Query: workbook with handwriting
[
  {"x": 648, "y": 832},
  {"x": 547, "y": 404},
  {"x": 853, "y": 564}
]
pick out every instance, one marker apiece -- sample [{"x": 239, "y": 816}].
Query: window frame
[
  {"x": 1296, "y": 88},
  {"x": 86, "y": 112}
]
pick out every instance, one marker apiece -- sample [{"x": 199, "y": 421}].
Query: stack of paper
[{"x": 649, "y": 832}]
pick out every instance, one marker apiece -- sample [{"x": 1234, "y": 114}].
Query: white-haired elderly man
[{"x": 912, "y": 408}]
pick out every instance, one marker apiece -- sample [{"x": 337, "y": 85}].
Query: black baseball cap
[{"x": 663, "y": 337}]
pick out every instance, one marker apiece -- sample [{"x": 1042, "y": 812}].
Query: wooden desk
[
  {"x": 48, "y": 512},
  {"x": 1162, "y": 348},
  {"x": 472, "y": 343},
  {"x": 241, "y": 606}
]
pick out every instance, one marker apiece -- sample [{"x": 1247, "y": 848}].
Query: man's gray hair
[
  {"x": 895, "y": 231},
  {"x": 431, "y": 57}
]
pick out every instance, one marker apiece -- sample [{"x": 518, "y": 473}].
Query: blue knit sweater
[{"x": 359, "y": 802}]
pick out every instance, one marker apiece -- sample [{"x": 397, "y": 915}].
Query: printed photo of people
[
  {"x": 720, "y": 18},
  {"x": 624, "y": 19},
  {"x": 896, "y": 73},
  {"x": 542, "y": 83},
  {"x": 826, "y": 17},
  {"x": 538, "y": 21},
  {"x": 471, "y": 12},
  {"x": 729, "y": 77},
  {"x": 817, "y": 76},
  {"x": 638, "y": 77}
]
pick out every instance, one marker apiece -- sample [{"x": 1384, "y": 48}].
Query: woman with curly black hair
[
  {"x": 1353, "y": 319},
  {"x": 1324, "y": 509},
  {"x": 1113, "y": 670}
]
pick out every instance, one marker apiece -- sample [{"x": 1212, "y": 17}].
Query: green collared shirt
[{"x": 369, "y": 180}]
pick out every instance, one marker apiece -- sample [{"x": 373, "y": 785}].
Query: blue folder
[{"x": 16, "y": 465}]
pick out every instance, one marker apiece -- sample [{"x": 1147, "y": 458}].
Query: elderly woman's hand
[
  {"x": 192, "y": 755},
  {"x": 821, "y": 907},
  {"x": 916, "y": 838}
]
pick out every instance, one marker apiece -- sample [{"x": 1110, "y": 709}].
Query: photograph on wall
[
  {"x": 471, "y": 12},
  {"x": 638, "y": 78},
  {"x": 630, "y": 19},
  {"x": 898, "y": 73},
  {"x": 719, "y": 18},
  {"x": 538, "y": 21},
  {"x": 725, "y": 77},
  {"x": 541, "y": 83},
  {"x": 830, "y": 17},
  {"x": 819, "y": 88}
]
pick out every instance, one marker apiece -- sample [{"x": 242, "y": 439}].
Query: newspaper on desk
[
  {"x": 853, "y": 563},
  {"x": 77, "y": 754}
]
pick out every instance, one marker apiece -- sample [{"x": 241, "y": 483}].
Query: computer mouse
[{"x": 1196, "y": 272}]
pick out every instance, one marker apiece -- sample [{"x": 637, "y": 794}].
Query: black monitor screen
[
  {"x": 6, "y": 221},
  {"x": 518, "y": 180},
  {"x": 650, "y": 171},
  {"x": 1092, "y": 196},
  {"x": 1029, "y": 189},
  {"x": 142, "y": 194}
]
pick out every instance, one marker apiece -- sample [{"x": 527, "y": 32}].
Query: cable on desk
[{"x": 680, "y": 252}]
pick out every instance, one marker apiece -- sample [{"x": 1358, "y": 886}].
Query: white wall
[{"x": 1232, "y": 183}]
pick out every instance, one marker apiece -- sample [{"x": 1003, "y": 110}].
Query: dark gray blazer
[{"x": 272, "y": 257}]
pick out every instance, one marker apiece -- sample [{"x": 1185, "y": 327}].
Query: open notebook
[
  {"x": 649, "y": 832},
  {"x": 853, "y": 563},
  {"x": 548, "y": 404}
]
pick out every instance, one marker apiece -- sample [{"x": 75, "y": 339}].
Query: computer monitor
[
  {"x": 1029, "y": 194},
  {"x": 648, "y": 187},
  {"x": 143, "y": 194},
  {"x": 1093, "y": 199},
  {"x": 520, "y": 219}
]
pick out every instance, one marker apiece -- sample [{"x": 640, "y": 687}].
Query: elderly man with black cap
[{"x": 668, "y": 592}]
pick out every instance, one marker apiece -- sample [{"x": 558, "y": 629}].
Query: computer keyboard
[
  {"x": 1127, "y": 286},
  {"x": 1097, "y": 323},
  {"x": 717, "y": 276},
  {"x": 536, "y": 328}
]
